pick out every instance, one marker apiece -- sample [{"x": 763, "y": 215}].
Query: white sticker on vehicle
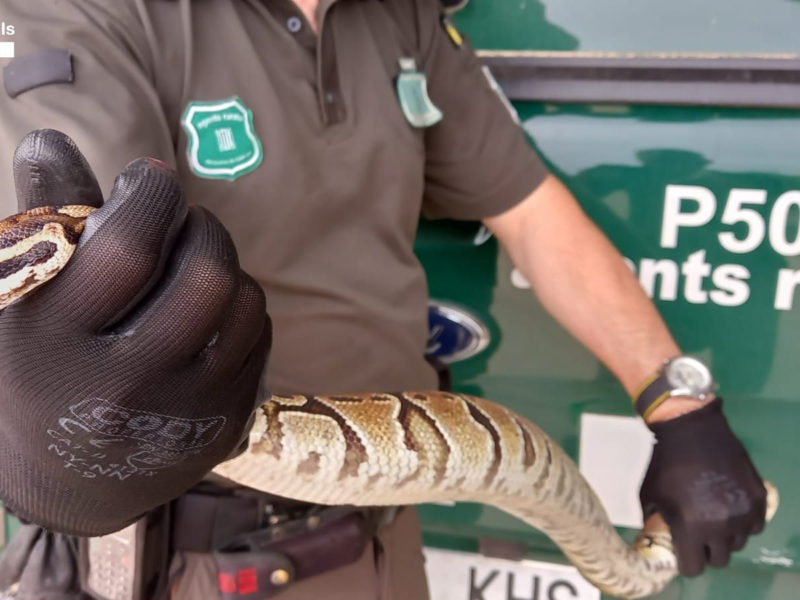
[
  {"x": 613, "y": 456},
  {"x": 456, "y": 575}
]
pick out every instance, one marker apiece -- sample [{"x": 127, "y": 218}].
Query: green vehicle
[{"x": 676, "y": 125}]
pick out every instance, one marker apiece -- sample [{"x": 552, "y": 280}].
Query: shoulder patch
[
  {"x": 53, "y": 65},
  {"x": 222, "y": 141}
]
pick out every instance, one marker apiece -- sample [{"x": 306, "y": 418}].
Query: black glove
[
  {"x": 43, "y": 565},
  {"x": 702, "y": 482},
  {"x": 132, "y": 373}
]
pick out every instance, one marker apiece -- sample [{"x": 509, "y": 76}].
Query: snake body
[{"x": 406, "y": 448}]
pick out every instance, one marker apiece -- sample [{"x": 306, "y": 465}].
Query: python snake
[{"x": 392, "y": 449}]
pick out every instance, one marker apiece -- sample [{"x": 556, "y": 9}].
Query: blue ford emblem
[{"x": 454, "y": 333}]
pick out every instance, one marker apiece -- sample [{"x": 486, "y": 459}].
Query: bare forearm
[{"x": 582, "y": 280}]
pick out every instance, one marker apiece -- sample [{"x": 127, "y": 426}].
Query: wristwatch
[{"x": 678, "y": 376}]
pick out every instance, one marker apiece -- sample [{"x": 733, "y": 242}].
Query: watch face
[{"x": 689, "y": 374}]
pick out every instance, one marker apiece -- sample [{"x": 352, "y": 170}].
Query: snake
[{"x": 391, "y": 449}]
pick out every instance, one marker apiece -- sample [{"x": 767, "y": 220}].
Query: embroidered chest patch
[{"x": 222, "y": 140}]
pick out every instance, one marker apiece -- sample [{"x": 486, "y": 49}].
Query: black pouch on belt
[{"x": 260, "y": 564}]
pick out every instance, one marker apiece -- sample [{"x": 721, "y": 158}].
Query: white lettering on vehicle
[
  {"x": 748, "y": 221},
  {"x": 748, "y": 228}
]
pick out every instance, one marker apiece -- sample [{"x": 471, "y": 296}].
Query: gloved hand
[
  {"x": 133, "y": 372},
  {"x": 701, "y": 480},
  {"x": 43, "y": 566}
]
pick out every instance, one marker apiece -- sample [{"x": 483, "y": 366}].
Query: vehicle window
[{"x": 685, "y": 26}]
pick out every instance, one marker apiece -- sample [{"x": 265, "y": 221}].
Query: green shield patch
[{"x": 222, "y": 140}]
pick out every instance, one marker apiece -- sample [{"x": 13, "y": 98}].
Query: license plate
[{"x": 465, "y": 576}]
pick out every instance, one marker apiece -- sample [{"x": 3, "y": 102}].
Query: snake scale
[{"x": 405, "y": 448}]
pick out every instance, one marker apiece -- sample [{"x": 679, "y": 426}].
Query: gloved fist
[
  {"x": 132, "y": 373},
  {"x": 701, "y": 480}
]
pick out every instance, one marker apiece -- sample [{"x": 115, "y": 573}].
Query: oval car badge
[{"x": 454, "y": 333}]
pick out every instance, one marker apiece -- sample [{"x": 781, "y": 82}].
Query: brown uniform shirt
[{"x": 321, "y": 185}]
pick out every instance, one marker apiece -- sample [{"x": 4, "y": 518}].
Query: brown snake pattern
[
  {"x": 388, "y": 449},
  {"x": 414, "y": 447},
  {"x": 35, "y": 245}
]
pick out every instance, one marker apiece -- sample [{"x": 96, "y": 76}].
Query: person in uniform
[{"x": 317, "y": 133}]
